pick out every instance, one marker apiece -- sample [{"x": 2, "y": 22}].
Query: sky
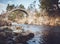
[{"x": 26, "y": 3}]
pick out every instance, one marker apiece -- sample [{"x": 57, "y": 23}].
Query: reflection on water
[
  {"x": 42, "y": 34},
  {"x": 33, "y": 28}
]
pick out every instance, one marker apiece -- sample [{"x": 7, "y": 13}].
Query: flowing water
[
  {"x": 36, "y": 29},
  {"x": 37, "y": 34}
]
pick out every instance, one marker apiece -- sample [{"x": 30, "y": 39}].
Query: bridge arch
[{"x": 18, "y": 9}]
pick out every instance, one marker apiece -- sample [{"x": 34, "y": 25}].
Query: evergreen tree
[
  {"x": 10, "y": 7},
  {"x": 49, "y": 4},
  {"x": 21, "y": 6}
]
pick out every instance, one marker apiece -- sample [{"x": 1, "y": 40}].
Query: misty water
[
  {"x": 36, "y": 29},
  {"x": 30, "y": 34}
]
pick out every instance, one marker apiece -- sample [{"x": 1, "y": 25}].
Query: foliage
[
  {"x": 21, "y": 6},
  {"x": 32, "y": 6},
  {"x": 12, "y": 16},
  {"x": 10, "y": 7},
  {"x": 16, "y": 14},
  {"x": 45, "y": 4},
  {"x": 37, "y": 13},
  {"x": 48, "y": 4}
]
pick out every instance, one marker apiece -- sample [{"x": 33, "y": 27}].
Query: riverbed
[
  {"x": 42, "y": 34},
  {"x": 39, "y": 31}
]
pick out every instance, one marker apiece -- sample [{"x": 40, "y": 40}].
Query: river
[
  {"x": 42, "y": 34},
  {"x": 39, "y": 31}
]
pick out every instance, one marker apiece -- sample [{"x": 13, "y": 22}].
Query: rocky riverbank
[
  {"x": 41, "y": 35},
  {"x": 9, "y": 37}
]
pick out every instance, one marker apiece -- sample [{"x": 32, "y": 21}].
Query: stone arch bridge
[{"x": 16, "y": 9}]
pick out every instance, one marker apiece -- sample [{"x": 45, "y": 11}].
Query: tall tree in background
[
  {"x": 10, "y": 7},
  {"x": 32, "y": 6},
  {"x": 21, "y": 6},
  {"x": 49, "y": 4}
]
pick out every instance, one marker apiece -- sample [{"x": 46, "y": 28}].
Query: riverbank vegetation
[
  {"x": 15, "y": 23},
  {"x": 46, "y": 15}
]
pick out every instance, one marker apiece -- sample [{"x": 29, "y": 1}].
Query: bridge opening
[{"x": 17, "y": 13}]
